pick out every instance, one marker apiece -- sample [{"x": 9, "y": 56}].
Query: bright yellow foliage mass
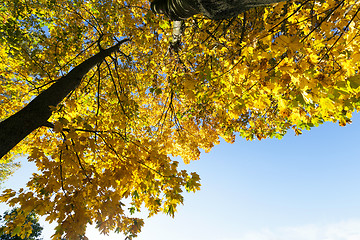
[{"x": 292, "y": 65}]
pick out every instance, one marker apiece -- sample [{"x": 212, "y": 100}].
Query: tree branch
[{"x": 38, "y": 111}]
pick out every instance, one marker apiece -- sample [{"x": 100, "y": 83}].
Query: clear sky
[{"x": 298, "y": 188}]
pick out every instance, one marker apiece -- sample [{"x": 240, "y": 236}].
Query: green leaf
[
  {"x": 354, "y": 81},
  {"x": 16, "y": 231},
  {"x": 132, "y": 210}
]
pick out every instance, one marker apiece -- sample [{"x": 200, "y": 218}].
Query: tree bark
[
  {"x": 177, "y": 10},
  {"x": 38, "y": 111},
  {"x": 225, "y": 9}
]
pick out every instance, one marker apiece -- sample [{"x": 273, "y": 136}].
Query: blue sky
[{"x": 298, "y": 188}]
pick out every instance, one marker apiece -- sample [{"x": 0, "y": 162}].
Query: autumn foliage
[{"x": 106, "y": 149}]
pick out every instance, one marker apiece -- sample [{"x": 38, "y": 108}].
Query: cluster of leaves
[
  {"x": 31, "y": 230},
  {"x": 6, "y": 169},
  {"x": 292, "y": 65}
]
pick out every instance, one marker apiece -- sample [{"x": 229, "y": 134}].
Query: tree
[
  {"x": 6, "y": 169},
  {"x": 214, "y": 9},
  {"x": 292, "y": 65},
  {"x": 31, "y": 229}
]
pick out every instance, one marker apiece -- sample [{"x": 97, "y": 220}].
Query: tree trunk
[
  {"x": 214, "y": 9},
  {"x": 38, "y": 111},
  {"x": 225, "y": 9}
]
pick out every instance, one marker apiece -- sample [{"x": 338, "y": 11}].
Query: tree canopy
[{"x": 119, "y": 102}]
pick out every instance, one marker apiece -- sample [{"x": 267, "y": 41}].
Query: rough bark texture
[
  {"x": 214, "y": 9},
  {"x": 175, "y": 10},
  {"x": 38, "y": 111},
  {"x": 224, "y": 9}
]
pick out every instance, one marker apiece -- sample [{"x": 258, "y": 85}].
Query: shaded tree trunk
[
  {"x": 38, "y": 111},
  {"x": 214, "y": 9},
  {"x": 225, "y": 9}
]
